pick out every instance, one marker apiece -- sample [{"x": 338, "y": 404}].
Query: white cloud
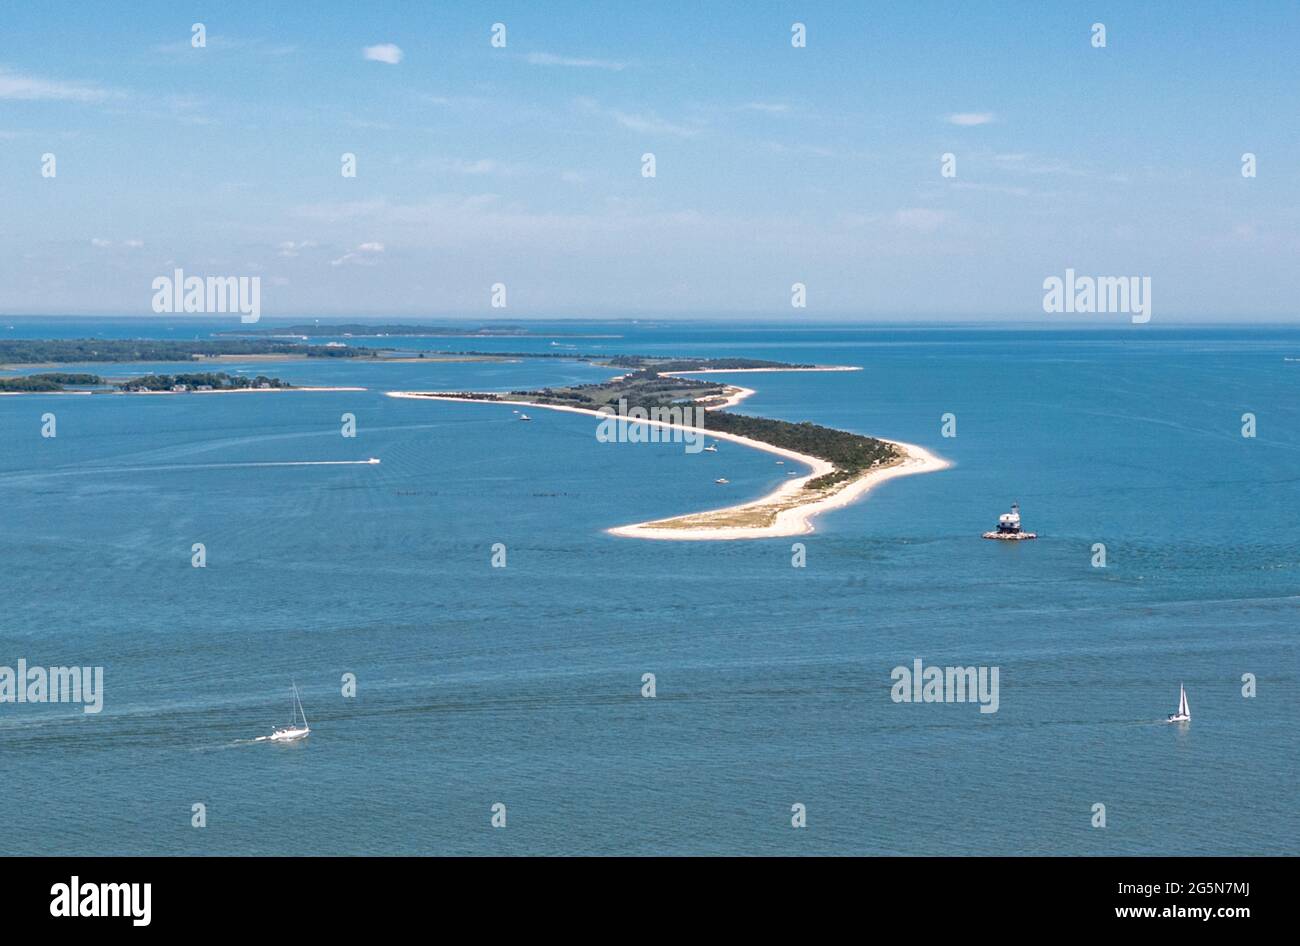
[
  {"x": 645, "y": 124},
  {"x": 363, "y": 255},
  {"x": 550, "y": 59},
  {"x": 100, "y": 242},
  {"x": 651, "y": 125},
  {"x": 384, "y": 52},
  {"x": 771, "y": 108},
  {"x": 30, "y": 88},
  {"x": 290, "y": 248},
  {"x": 967, "y": 119}
]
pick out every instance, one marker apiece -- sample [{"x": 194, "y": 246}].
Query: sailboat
[
  {"x": 1184, "y": 714},
  {"x": 293, "y": 730}
]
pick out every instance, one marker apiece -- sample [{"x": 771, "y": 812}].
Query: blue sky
[{"x": 774, "y": 165}]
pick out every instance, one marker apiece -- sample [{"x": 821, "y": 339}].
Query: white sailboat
[
  {"x": 293, "y": 730},
  {"x": 1184, "y": 714}
]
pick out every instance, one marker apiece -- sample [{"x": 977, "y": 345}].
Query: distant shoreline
[{"x": 213, "y": 391}]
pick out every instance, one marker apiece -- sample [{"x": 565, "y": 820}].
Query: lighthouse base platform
[{"x": 1011, "y": 536}]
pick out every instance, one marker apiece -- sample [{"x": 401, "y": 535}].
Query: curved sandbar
[
  {"x": 787, "y": 510},
  {"x": 790, "y": 508}
]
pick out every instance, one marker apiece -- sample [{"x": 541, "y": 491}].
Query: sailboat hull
[
  {"x": 289, "y": 735},
  {"x": 1179, "y": 718}
]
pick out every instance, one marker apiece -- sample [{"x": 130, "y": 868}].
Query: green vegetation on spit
[{"x": 850, "y": 454}]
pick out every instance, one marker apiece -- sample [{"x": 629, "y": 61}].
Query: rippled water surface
[{"x": 522, "y": 685}]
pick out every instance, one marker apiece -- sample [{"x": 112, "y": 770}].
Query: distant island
[
  {"x": 56, "y": 382},
  {"x": 50, "y": 382},
  {"x": 370, "y": 330},
  {"x": 56, "y": 351},
  {"x": 24, "y": 351},
  {"x": 200, "y": 382},
  {"x": 844, "y": 465}
]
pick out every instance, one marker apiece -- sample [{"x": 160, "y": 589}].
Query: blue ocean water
[{"x": 522, "y": 685}]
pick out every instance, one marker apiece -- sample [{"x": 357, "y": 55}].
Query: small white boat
[
  {"x": 721, "y": 480},
  {"x": 1184, "y": 713},
  {"x": 373, "y": 460},
  {"x": 524, "y": 417},
  {"x": 710, "y": 449},
  {"x": 780, "y": 463},
  {"x": 293, "y": 731}
]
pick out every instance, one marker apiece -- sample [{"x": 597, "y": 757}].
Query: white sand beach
[
  {"x": 787, "y": 510},
  {"x": 734, "y": 394},
  {"x": 790, "y": 508}
]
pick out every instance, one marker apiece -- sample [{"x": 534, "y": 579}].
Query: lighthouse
[
  {"x": 1009, "y": 522},
  {"x": 1009, "y": 526}
]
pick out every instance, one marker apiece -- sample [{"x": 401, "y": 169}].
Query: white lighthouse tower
[
  {"x": 1009, "y": 522},
  {"x": 1009, "y": 527}
]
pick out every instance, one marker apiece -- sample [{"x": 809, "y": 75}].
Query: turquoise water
[{"x": 521, "y": 685}]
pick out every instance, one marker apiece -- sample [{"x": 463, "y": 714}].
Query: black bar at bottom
[{"x": 333, "y": 895}]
